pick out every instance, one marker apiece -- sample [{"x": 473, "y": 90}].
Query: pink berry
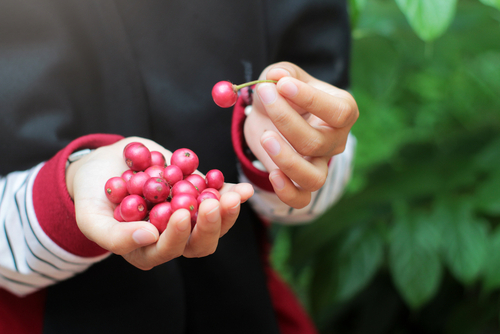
[
  {"x": 116, "y": 189},
  {"x": 184, "y": 187},
  {"x": 206, "y": 195},
  {"x": 214, "y": 191},
  {"x": 133, "y": 208},
  {"x": 154, "y": 171},
  {"x": 136, "y": 182},
  {"x": 215, "y": 179},
  {"x": 137, "y": 156},
  {"x": 185, "y": 201},
  {"x": 160, "y": 215},
  {"x": 126, "y": 175},
  {"x": 117, "y": 215},
  {"x": 186, "y": 160},
  {"x": 156, "y": 190},
  {"x": 158, "y": 159},
  {"x": 224, "y": 94},
  {"x": 172, "y": 174},
  {"x": 198, "y": 181}
]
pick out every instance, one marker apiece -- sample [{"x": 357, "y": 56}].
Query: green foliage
[{"x": 414, "y": 244}]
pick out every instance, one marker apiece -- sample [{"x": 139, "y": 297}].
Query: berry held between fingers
[{"x": 225, "y": 94}]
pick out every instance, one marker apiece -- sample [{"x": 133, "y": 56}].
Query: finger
[
  {"x": 245, "y": 190},
  {"x": 170, "y": 245},
  {"x": 205, "y": 235},
  {"x": 308, "y": 174},
  {"x": 287, "y": 191},
  {"x": 283, "y": 69},
  {"x": 230, "y": 210},
  {"x": 335, "y": 107},
  {"x": 117, "y": 237}
]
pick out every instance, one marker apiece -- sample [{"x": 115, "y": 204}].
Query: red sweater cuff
[
  {"x": 256, "y": 176},
  {"x": 54, "y": 207}
]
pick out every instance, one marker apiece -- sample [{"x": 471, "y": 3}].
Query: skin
[
  {"x": 296, "y": 126},
  {"x": 294, "y": 134},
  {"x": 139, "y": 242}
]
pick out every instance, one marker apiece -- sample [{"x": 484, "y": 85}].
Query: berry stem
[{"x": 238, "y": 87}]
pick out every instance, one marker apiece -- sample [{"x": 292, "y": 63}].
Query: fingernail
[
  {"x": 143, "y": 237},
  {"x": 184, "y": 224},
  {"x": 267, "y": 93},
  {"x": 278, "y": 181},
  {"x": 288, "y": 88},
  {"x": 278, "y": 72},
  {"x": 234, "y": 209},
  {"x": 213, "y": 216},
  {"x": 271, "y": 146}
]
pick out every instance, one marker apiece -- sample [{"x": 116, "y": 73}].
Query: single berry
[
  {"x": 137, "y": 156},
  {"x": 116, "y": 189},
  {"x": 126, "y": 175},
  {"x": 212, "y": 190},
  {"x": 185, "y": 201},
  {"x": 186, "y": 160},
  {"x": 198, "y": 181},
  {"x": 206, "y": 195},
  {"x": 172, "y": 174},
  {"x": 158, "y": 159},
  {"x": 215, "y": 179},
  {"x": 156, "y": 190},
  {"x": 133, "y": 208},
  {"x": 136, "y": 182},
  {"x": 160, "y": 215},
  {"x": 117, "y": 215},
  {"x": 184, "y": 187},
  {"x": 154, "y": 171},
  {"x": 225, "y": 94}
]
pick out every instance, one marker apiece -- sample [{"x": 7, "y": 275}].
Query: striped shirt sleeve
[
  {"x": 269, "y": 206},
  {"x": 40, "y": 243}
]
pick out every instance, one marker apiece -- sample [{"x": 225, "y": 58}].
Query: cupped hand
[
  {"x": 139, "y": 242},
  {"x": 296, "y": 126}
]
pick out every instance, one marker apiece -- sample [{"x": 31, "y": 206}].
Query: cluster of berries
[{"x": 151, "y": 190}]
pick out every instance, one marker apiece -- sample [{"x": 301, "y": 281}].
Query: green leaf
[
  {"x": 491, "y": 279},
  {"x": 414, "y": 259},
  {"x": 346, "y": 266},
  {"x": 487, "y": 197},
  {"x": 359, "y": 257},
  {"x": 464, "y": 240},
  {"x": 428, "y": 18},
  {"x": 493, "y": 3}
]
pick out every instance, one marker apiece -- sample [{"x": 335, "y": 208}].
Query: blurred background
[{"x": 414, "y": 244}]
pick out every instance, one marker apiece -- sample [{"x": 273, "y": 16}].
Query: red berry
[
  {"x": 137, "y": 156},
  {"x": 197, "y": 180},
  {"x": 186, "y": 160},
  {"x": 224, "y": 94},
  {"x": 126, "y": 175},
  {"x": 116, "y": 189},
  {"x": 185, "y": 201},
  {"x": 160, "y": 215},
  {"x": 172, "y": 174},
  {"x": 215, "y": 179},
  {"x": 136, "y": 182},
  {"x": 214, "y": 191},
  {"x": 156, "y": 190},
  {"x": 154, "y": 171},
  {"x": 184, "y": 187},
  {"x": 158, "y": 159},
  {"x": 133, "y": 208},
  {"x": 206, "y": 195},
  {"x": 117, "y": 215}
]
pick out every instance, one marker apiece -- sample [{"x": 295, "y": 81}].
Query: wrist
[{"x": 75, "y": 160}]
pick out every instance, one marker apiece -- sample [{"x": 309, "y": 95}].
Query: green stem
[{"x": 238, "y": 87}]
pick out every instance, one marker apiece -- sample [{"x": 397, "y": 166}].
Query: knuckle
[
  {"x": 311, "y": 146},
  {"x": 340, "y": 148},
  {"x": 316, "y": 182},
  {"x": 343, "y": 113}
]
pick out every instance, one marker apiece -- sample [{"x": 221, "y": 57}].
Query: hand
[
  {"x": 139, "y": 242},
  {"x": 296, "y": 126}
]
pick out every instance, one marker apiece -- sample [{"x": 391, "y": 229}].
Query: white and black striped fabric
[
  {"x": 269, "y": 206},
  {"x": 29, "y": 259}
]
